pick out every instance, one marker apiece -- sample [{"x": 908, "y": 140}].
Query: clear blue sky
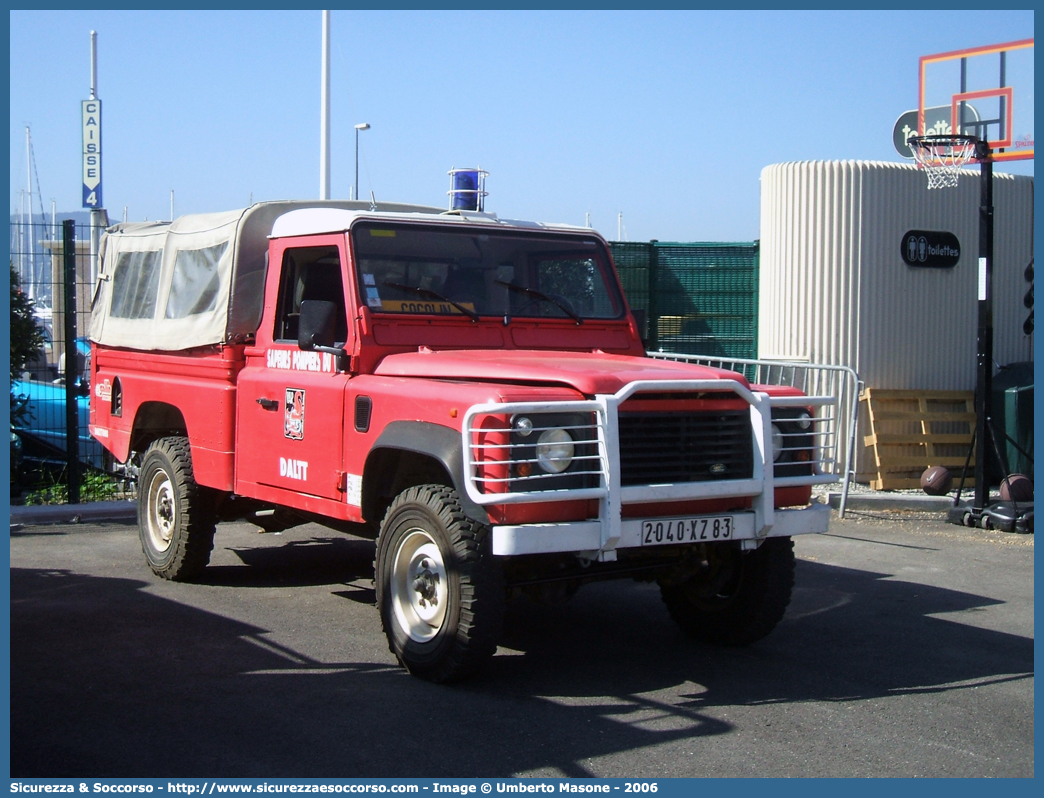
[{"x": 667, "y": 117}]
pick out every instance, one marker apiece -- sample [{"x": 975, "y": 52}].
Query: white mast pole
[
  {"x": 29, "y": 170},
  {"x": 29, "y": 289},
  {"x": 94, "y": 64},
  {"x": 29, "y": 188},
  {"x": 324, "y": 114}
]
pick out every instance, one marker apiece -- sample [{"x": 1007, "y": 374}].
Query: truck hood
[{"x": 588, "y": 372}]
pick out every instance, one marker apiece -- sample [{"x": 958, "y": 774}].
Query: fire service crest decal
[{"x": 294, "y": 414}]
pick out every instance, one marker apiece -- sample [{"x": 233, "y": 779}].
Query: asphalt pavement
[{"x": 907, "y": 651}]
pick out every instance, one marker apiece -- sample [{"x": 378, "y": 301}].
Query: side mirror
[{"x": 317, "y": 324}]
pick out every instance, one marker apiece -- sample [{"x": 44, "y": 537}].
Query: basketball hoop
[{"x": 942, "y": 157}]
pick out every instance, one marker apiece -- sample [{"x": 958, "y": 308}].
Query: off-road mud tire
[
  {"x": 176, "y": 519},
  {"x": 747, "y": 605},
  {"x": 429, "y": 549}
]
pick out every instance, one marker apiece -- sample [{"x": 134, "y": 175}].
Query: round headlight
[
  {"x": 554, "y": 451},
  {"x": 777, "y": 443},
  {"x": 523, "y": 426},
  {"x": 804, "y": 421}
]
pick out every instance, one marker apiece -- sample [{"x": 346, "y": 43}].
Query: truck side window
[
  {"x": 135, "y": 284},
  {"x": 194, "y": 286},
  {"x": 309, "y": 273}
]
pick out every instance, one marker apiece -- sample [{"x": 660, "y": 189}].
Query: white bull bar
[{"x": 599, "y": 539}]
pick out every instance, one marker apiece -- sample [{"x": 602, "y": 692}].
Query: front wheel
[
  {"x": 440, "y": 592},
  {"x": 175, "y": 518},
  {"x": 741, "y": 596}
]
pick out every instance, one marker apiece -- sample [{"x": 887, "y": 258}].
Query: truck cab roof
[{"x": 316, "y": 221}]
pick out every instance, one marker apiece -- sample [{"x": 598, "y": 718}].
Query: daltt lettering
[{"x": 293, "y": 469}]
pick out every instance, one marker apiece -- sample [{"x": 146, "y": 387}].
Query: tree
[{"x": 26, "y": 336}]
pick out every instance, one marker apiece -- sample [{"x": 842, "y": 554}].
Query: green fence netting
[{"x": 698, "y": 298}]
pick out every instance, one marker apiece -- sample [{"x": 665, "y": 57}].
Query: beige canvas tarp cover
[{"x": 196, "y": 281}]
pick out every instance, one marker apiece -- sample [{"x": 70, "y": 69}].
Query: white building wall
[{"x": 834, "y": 288}]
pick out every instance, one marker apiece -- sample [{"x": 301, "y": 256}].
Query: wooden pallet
[{"x": 914, "y": 430}]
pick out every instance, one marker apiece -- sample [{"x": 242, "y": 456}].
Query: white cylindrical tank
[{"x": 834, "y": 287}]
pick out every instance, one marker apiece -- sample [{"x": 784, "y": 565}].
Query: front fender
[{"x": 433, "y": 441}]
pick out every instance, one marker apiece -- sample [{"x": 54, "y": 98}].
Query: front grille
[{"x": 663, "y": 447}]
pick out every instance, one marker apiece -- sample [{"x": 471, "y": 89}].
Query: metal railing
[{"x": 813, "y": 379}]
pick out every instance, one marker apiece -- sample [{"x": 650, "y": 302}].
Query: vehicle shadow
[
  {"x": 110, "y": 680},
  {"x": 315, "y": 560},
  {"x": 848, "y": 635}
]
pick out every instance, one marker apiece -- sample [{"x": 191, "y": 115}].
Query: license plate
[{"x": 688, "y": 530}]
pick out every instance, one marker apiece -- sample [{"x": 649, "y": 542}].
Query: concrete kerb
[
  {"x": 94, "y": 512},
  {"x": 893, "y": 501}
]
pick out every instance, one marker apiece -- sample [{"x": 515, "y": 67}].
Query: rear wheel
[
  {"x": 440, "y": 591},
  {"x": 175, "y": 515},
  {"x": 740, "y": 598}
]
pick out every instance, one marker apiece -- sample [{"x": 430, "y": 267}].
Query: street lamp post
[
  {"x": 324, "y": 114},
  {"x": 361, "y": 126}
]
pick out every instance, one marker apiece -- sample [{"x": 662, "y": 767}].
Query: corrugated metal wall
[{"x": 834, "y": 287}]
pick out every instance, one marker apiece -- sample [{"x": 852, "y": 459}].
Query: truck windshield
[{"x": 434, "y": 270}]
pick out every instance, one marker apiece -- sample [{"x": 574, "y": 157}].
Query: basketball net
[{"x": 942, "y": 157}]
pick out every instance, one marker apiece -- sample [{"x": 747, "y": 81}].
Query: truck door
[{"x": 290, "y": 418}]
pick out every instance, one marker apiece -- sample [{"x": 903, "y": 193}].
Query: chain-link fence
[{"x": 54, "y": 459}]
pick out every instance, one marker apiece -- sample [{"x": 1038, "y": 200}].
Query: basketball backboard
[{"x": 996, "y": 81}]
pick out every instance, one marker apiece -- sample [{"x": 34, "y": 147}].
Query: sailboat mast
[{"x": 29, "y": 189}]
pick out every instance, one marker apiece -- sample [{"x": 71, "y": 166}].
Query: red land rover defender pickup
[{"x": 470, "y": 391}]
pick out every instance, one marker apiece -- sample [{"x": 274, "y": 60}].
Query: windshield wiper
[
  {"x": 434, "y": 295},
  {"x": 541, "y": 295}
]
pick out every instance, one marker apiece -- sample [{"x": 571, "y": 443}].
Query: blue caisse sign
[{"x": 92, "y": 181}]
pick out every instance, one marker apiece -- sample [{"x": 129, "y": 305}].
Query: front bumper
[{"x": 586, "y": 536}]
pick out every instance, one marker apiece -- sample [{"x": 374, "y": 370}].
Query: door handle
[{"x": 268, "y": 404}]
